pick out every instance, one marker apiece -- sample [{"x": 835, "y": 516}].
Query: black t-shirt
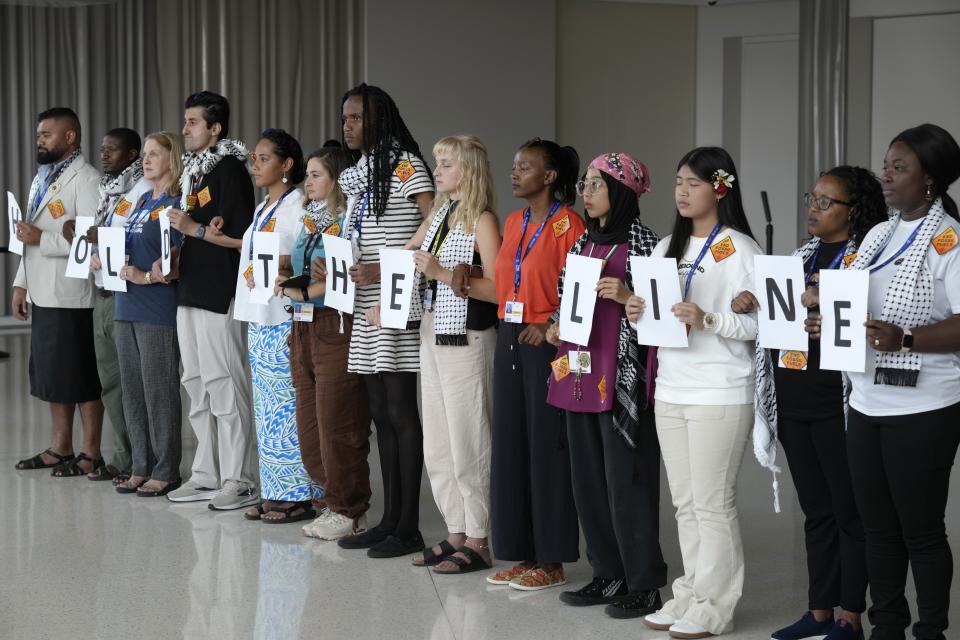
[
  {"x": 812, "y": 394},
  {"x": 208, "y": 273},
  {"x": 480, "y": 314}
]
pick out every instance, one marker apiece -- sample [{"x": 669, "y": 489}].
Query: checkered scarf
[
  {"x": 35, "y": 185},
  {"x": 113, "y": 187},
  {"x": 197, "y": 165},
  {"x": 450, "y": 316}
]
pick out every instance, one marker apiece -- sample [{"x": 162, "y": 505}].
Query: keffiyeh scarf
[
  {"x": 35, "y": 185},
  {"x": 112, "y": 187},
  {"x": 197, "y": 165},
  {"x": 450, "y": 311}
]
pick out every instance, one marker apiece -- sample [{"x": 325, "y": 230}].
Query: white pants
[
  {"x": 213, "y": 352},
  {"x": 456, "y": 387},
  {"x": 702, "y": 447}
]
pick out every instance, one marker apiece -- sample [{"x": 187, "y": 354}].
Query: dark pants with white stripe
[
  {"x": 531, "y": 501},
  {"x": 617, "y": 492}
]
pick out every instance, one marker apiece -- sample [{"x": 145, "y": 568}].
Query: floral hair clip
[{"x": 722, "y": 181}]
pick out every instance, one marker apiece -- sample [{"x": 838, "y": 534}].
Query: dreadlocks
[{"x": 386, "y": 135}]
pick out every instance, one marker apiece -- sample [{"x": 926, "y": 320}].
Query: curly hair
[
  {"x": 286, "y": 146},
  {"x": 867, "y": 206},
  {"x": 565, "y": 161}
]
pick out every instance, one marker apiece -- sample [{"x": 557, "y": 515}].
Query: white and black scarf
[
  {"x": 197, "y": 165},
  {"x": 631, "y": 395},
  {"x": 765, "y": 393},
  {"x": 113, "y": 187},
  {"x": 450, "y": 311},
  {"x": 317, "y": 211},
  {"x": 909, "y": 298},
  {"x": 35, "y": 185}
]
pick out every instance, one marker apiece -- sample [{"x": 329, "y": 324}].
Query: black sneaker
[
  {"x": 364, "y": 539},
  {"x": 393, "y": 546},
  {"x": 641, "y": 603},
  {"x": 599, "y": 591}
]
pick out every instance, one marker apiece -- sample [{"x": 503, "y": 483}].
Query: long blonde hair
[
  {"x": 476, "y": 181},
  {"x": 172, "y": 142}
]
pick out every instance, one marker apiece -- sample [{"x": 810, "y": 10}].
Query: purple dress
[{"x": 595, "y": 391}]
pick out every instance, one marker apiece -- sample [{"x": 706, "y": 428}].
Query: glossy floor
[{"x": 79, "y": 560}]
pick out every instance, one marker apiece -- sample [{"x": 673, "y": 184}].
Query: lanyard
[
  {"x": 696, "y": 263},
  {"x": 42, "y": 192},
  {"x": 606, "y": 257},
  {"x": 312, "y": 242},
  {"x": 258, "y": 225},
  {"x": 813, "y": 263},
  {"x": 434, "y": 248},
  {"x": 906, "y": 245},
  {"x": 143, "y": 211},
  {"x": 358, "y": 225},
  {"x": 520, "y": 257}
]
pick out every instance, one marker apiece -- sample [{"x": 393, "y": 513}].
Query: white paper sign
[
  {"x": 340, "y": 289},
  {"x": 655, "y": 280},
  {"x": 778, "y": 285},
  {"x": 78, "y": 262},
  {"x": 579, "y": 298},
  {"x": 843, "y": 307},
  {"x": 112, "y": 243},
  {"x": 396, "y": 287},
  {"x": 166, "y": 246},
  {"x": 266, "y": 265},
  {"x": 15, "y": 245}
]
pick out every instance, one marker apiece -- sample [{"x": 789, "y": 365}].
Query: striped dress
[{"x": 375, "y": 350}]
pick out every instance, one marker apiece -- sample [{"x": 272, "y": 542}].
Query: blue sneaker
[
  {"x": 843, "y": 630},
  {"x": 807, "y": 628}
]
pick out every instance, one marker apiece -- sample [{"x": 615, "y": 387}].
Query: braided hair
[
  {"x": 867, "y": 206},
  {"x": 386, "y": 135}
]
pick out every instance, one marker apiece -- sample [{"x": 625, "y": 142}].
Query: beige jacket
[{"x": 42, "y": 266}]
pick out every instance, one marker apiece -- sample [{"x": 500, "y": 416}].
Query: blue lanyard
[
  {"x": 696, "y": 263},
  {"x": 520, "y": 257},
  {"x": 42, "y": 192},
  {"x": 143, "y": 211},
  {"x": 258, "y": 225},
  {"x": 906, "y": 245},
  {"x": 358, "y": 224},
  {"x": 813, "y": 263}
]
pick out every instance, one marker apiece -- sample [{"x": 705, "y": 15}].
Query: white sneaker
[
  {"x": 192, "y": 492},
  {"x": 330, "y": 525},
  {"x": 234, "y": 495},
  {"x": 660, "y": 620},
  {"x": 688, "y": 630}
]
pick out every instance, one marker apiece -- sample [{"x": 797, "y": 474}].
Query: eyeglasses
[
  {"x": 822, "y": 202},
  {"x": 588, "y": 186}
]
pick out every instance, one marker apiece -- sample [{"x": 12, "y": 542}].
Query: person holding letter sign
[
  {"x": 286, "y": 488},
  {"x": 145, "y": 329},
  {"x": 333, "y": 421},
  {"x": 533, "y": 517},
  {"x": 602, "y": 388},
  {"x": 704, "y": 393},
  {"x": 63, "y": 362},
  {"x": 902, "y": 427},
  {"x": 457, "y": 338},
  {"x": 808, "y": 417},
  {"x": 390, "y": 192}
]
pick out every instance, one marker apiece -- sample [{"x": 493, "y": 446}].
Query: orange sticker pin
[
  {"x": 155, "y": 214},
  {"x": 56, "y": 209},
  {"x": 561, "y": 226},
  {"x": 309, "y": 225},
  {"x": 945, "y": 241},
  {"x": 204, "y": 197},
  {"x": 191, "y": 202},
  {"x": 561, "y": 368},
  {"x": 723, "y": 249},
  {"x": 333, "y": 229},
  {"x": 848, "y": 260},
  {"x": 602, "y": 388},
  {"x": 796, "y": 360},
  {"x": 405, "y": 170},
  {"x": 123, "y": 208},
  {"x": 270, "y": 226},
  {"x": 248, "y": 271}
]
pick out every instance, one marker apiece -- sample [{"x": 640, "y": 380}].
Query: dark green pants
[{"x": 109, "y": 371}]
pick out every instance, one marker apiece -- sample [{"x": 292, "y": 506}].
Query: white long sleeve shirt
[{"x": 717, "y": 366}]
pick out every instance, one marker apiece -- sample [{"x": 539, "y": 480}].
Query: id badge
[
  {"x": 579, "y": 361},
  {"x": 513, "y": 312},
  {"x": 796, "y": 360},
  {"x": 428, "y": 299},
  {"x": 303, "y": 311}
]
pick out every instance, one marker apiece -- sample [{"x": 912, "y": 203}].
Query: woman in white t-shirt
[
  {"x": 286, "y": 487},
  {"x": 704, "y": 392},
  {"x": 903, "y": 424}
]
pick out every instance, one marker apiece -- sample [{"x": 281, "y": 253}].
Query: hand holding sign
[
  {"x": 579, "y": 298},
  {"x": 266, "y": 265},
  {"x": 396, "y": 287},
  {"x": 113, "y": 247},
  {"x": 655, "y": 281},
  {"x": 778, "y": 281},
  {"x": 340, "y": 289},
  {"x": 165, "y": 244},
  {"x": 78, "y": 261},
  {"x": 14, "y": 216},
  {"x": 843, "y": 307}
]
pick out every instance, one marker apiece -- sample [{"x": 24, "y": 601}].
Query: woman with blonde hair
[
  {"x": 457, "y": 339},
  {"x": 145, "y": 329}
]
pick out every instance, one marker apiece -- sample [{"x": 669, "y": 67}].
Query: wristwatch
[
  {"x": 200, "y": 232},
  {"x": 710, "y": 321},
  {"x": 149, "y": 277},
  {"x": 906, "y": 342}
]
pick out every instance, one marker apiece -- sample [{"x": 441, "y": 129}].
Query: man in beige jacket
[{"x": 63, "y": 366}]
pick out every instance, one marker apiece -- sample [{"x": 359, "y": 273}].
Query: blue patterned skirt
[{"x": 282, "y": 475}]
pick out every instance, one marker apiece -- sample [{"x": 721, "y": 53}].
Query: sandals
[
  {"x": 430, "y": 558},
  {"x": 36, "y": 462},
  {"x": 156, "y": 493},
  {"x": 260, "y": 511},
  {"x": 127, "y": 486},
  {"x": 307, "y": 512},
  {"x": 104, "y": 473},
  {"x": 71, "y": 468},
  {"x": 473, "y": 562}
]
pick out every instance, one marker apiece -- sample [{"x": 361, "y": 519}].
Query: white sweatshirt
[{"x": 717, "y": 366}]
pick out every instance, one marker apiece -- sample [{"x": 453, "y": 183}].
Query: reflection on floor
[{"x": 80, "y": 560}]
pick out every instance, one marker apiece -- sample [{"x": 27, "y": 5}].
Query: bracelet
[{"x": 149, "y": 278}]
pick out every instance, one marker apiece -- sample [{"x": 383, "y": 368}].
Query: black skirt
[{"x": 63, "y": 361}]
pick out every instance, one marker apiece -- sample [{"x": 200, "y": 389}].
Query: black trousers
[
  {"x": 531, "y": 499},
  {"x": 901, "y": 474},
  {"x": 617, "y": 493},
  {"x": 836, "y": 555},
  {"x": 393, "y": 407}
]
